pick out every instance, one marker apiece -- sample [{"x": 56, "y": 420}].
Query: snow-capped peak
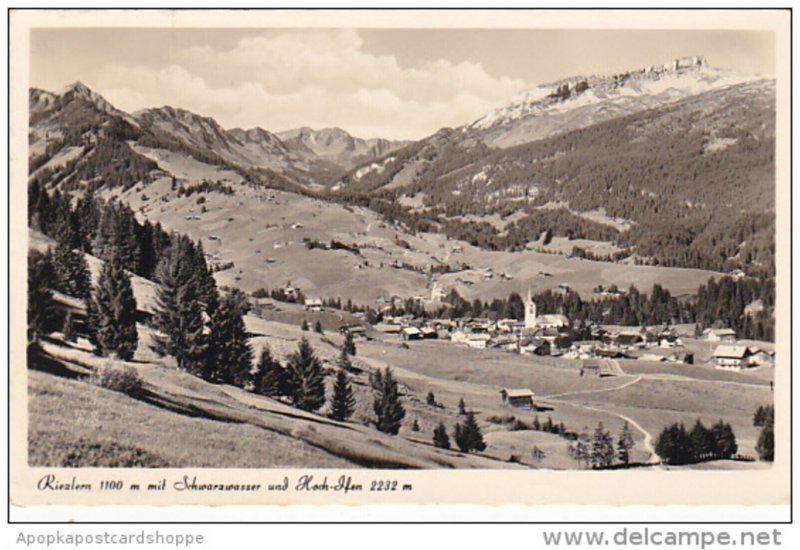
[{"x": 655, "y": 84}]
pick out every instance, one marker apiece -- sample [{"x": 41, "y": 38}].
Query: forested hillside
[{"x": 696, "y": 178}]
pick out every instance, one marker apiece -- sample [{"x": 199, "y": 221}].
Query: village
[{"x": 554, "y": 336}]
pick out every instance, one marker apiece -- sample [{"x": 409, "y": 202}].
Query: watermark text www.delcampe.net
[{"x": 648, "y": 537}]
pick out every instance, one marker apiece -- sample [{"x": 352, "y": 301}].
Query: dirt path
[
  {"x": 586, "y": 392},
  {"x": 647, "y": 442}
]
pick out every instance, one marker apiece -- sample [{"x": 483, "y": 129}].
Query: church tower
[{"x": 530, "y": 312}]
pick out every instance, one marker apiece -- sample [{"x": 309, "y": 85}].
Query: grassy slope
[
  {"x": 63, "y": 411},
  {"x": 252, "y": 230}
]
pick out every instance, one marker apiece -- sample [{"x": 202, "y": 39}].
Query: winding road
[{"x": 647, "y": 442}]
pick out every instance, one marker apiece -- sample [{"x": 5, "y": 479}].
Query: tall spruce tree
[
  {"x": 271, "y": 377},
  {"x": 703, "y": 443},
  {"x": 344, "y": 361},
  {"x": 305, "y": 379},
  {"x": 112, "y": 314},
  {"x": 602, "y": 454},
  {"x": 178, "y": 313},
  {"x": 42, "y": 314},
  {"x": 389, "y": 411},
  {"x": 72, "y": 272},
  {"x": 343, "y": 401},
  {"x": 625, "y": 444},
  {"x": 70, "y": 329},
  {"x": 207, "y": 285},
  {"x": 765, "y": 419},
  {"x": 468, "y": 436},
  {"x": 230, "y": 355},
  {"x": 725, "y": 440},
  {"x": 440, "y": 437},
  {"x": 349, "y": 345}
]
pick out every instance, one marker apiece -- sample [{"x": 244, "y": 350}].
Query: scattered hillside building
[
  {"x": 429, "y": 333},
  {"x": 388, "y": 328},
  {"x": 313, "y": 304},
  {"x": 761, "y": 358},
  {"x": 518, "y": 398},
  {"x": 596, "y": 369},
  {"x": 732, "y": 357},
  {"x": 356, "y": 331},
  {"x": 552, "y": 321},
  {"x": 411, "y": 333},
  {"x": 726, "y": 335},
  {"x": 535, "y": 346}
]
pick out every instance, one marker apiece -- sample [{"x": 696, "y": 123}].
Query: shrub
[
  {"x": 117, "y": 377},
  {"x": 260, "y": 293},
  {"x": 507, "y": 419},
  {"x": 518, "y": 425}
]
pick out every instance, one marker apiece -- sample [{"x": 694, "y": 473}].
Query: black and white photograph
[{"x": 363, "y": 249}]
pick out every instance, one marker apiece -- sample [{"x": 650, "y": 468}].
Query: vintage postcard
[{"x": 400, "y": 257}]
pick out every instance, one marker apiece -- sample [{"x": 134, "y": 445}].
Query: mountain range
[{"x": 682, "y": 152}]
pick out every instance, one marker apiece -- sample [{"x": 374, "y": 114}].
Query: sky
[{"x": 391, "y": 83}]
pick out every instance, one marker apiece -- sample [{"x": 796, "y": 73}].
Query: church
[{"x": 535, "y": 322}]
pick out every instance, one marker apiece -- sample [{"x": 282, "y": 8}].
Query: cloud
[{"x": 317, "y": 78}]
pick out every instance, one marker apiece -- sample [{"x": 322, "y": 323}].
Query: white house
[
  {"x": 732, "y": 357},
  {"x": 727, "y": 335},
  {"x": 313, "y": 304}
]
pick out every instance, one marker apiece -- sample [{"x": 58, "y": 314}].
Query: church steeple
[{"x": 530, "y": 312}]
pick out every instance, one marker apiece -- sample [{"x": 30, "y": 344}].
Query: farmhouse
[
  {"x": 596, "y": 369},
  {"x": 726, "y": 335},
  {"x": 388, "y": 328},
  {"x": 429, "y": 333},
  {"x": 732, "y": 357},
  {"x": 761, "y": 357},
  {"x": 520, "y": 398},
  {"x": 313, "y": 304},
  {"x": 356, "y": 331},
  {"x": 411, "y": 333},
  {"x": 628, "y": 339},
  {"x": 535, "y": 346}
]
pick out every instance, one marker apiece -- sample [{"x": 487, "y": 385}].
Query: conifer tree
[
  {"x": 440, "y": 437},
  {"x": 206, "y": 284},
  {"x": 765, "y": 447},
  {"x": 178, "y": 313},
  {"x": 271, "y": 376},
  {"x": 431, "y": 399},
  {"x": 415, "y": 426},
  {"x": 349, "y": 344},
  {"x": 625, "y": 444},
  {"x": 602, "y": 454},
  {"x": 468, "y": 436},
  {"x": 318, "y": 327},
  {"x": 376, "y": 380},
  {"x": 704, "y": 445},
  {"x": 304, "y": 326},
  {"x": 344, "y": 361},
  {"x": 462, "y": 407},
  {"x": 229, "y": 353},
  {"x": 725, "y": 440},
  {"x": 389, "y": 411},
  {"x": 580, "y": 449},
  {"x": 765, "y": 419},
  {"x": 70, "y": 331},
  {"x": 306, "y": 381},
  {"x": 42, "y": 313},
  {"x": 343, "y": 401},
  {"x": 72, "y": 272},
  {"x": 112, "y": 315}
]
